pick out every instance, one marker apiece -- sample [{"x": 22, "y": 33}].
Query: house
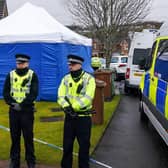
[
  {"x": 97, "y": 48},
  {"x": 3, "y": 9}
]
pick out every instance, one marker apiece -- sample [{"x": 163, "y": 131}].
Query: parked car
[{"x": 118, "y": 65}]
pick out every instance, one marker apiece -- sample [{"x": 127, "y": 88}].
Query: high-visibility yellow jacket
[
  {"x": 95, "y": 62},
  {"x": 20, "y": 85},
  {"x": 79, "y": 94}
]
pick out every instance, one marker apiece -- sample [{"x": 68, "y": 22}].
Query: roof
[{"x": 32, "y": 23}]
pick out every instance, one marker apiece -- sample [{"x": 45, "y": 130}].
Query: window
[
  {"x": 114, "y": 60},
  {"x": 94, "y": 46},
  {"x": 149, "y": 59},
  {"x": 124, "y": 59},
  {"x": 139, "y": 54},
  {"x": 163, "y": 47},
  {"x": 161, "y": 64}
]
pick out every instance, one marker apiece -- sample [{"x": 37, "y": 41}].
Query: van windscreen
[
  {"x": 114, "y": 60},
  {"x": 139, "y": 54}
]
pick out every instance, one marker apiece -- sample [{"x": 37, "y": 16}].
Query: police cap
[
  {"x": 75, "y": 59},
  {"x": 21, "y": 58}
]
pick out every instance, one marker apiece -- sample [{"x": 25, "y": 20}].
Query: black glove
[
  {"x": 69, "y": 111},
  {"x": 16, "y": 106}
]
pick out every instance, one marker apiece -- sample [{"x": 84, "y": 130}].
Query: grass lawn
[{"x": 50, "y": 132}]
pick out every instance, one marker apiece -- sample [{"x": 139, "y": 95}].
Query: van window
[
  {"x": 139, "y": 54},
  {"x": 163, "y": 47},
  {"x": 124, "y": 59},
  {"x": 161, "y": 64},
  {"x": 114, "y": 60},
  {"x": 149, "y": 59}
]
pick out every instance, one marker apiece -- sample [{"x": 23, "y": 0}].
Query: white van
[{"x": 140, "y": 48}]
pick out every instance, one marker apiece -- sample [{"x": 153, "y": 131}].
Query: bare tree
[{"x": 109, "y": 19}]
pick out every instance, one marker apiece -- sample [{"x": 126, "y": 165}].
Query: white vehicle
[
  {"x": 118, "y": 65},
  {"x": 103, "y": 63},
  {"x": 140, "y": 48}
]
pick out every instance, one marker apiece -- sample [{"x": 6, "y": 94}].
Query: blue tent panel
[{"x": 48, "y": 60}]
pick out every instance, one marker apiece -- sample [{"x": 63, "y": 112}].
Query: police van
[
  {"x": 153, "y": 104},
  {"x": 140, "y": 48}
]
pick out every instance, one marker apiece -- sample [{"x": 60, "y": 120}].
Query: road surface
[{"x": 128, "y": 143}]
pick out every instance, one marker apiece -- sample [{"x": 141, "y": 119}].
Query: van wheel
[{"x": 143, "y": 116}]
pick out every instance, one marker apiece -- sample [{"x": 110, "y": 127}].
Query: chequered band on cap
[
  {"x": 22, "y": 59},
  {"x": 74, "y": 60}
]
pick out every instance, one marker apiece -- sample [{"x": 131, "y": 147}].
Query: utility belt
[
  {"x": 86, "y": 112},
  {"x": 80, "y": 113}
]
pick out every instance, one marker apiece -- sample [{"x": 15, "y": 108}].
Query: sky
[
  {"x": 59, "y": 9},
  {"x": 159, "y": 10}
]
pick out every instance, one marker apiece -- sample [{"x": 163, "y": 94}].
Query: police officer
[
  {"x": 75, "y": 95},
  {"x": 95, "y": 63},
  {"x": 20, "y": 91}
]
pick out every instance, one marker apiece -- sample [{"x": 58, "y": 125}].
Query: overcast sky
[{"x": 59, "y": 9}]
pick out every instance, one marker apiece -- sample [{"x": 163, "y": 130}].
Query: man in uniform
[
  {"x": 20, "y": 91},
  {"x": 75, "y": 95},
  {"x": 95, "y": 63}
]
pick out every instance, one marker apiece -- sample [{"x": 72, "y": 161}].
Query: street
[{"x": 128, "y": 143}]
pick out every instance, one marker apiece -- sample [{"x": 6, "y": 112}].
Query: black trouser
[
  {"x": 79, "y": 127},
  {"x": 21, "y": 121}
]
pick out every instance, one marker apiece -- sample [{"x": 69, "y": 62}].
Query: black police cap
[
  {"x": 21, "y": 58},
  {"x": 75, "y": 59}
]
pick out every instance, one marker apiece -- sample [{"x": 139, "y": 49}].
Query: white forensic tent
[{"x": 31, "y": 30}]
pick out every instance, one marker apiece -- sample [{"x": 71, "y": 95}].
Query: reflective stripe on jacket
[
  {"x": 20, "y": 85},
  {"x": 79, "y": 94}
]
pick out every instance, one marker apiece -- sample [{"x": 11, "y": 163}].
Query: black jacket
[{"x": 28, "y": 101}]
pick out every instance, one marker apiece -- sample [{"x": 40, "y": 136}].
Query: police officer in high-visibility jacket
[
  {"x": 20, "y": 91},
  {"x": 75, "y": 95},
  {"x": 95, "y": 63}
]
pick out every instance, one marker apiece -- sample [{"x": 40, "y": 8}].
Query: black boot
[
  {"x": 31, "y": 165},
  {"x": 14, "y": 164}
]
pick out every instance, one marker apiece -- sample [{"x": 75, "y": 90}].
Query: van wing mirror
[{"x": 146, "y": 67}]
